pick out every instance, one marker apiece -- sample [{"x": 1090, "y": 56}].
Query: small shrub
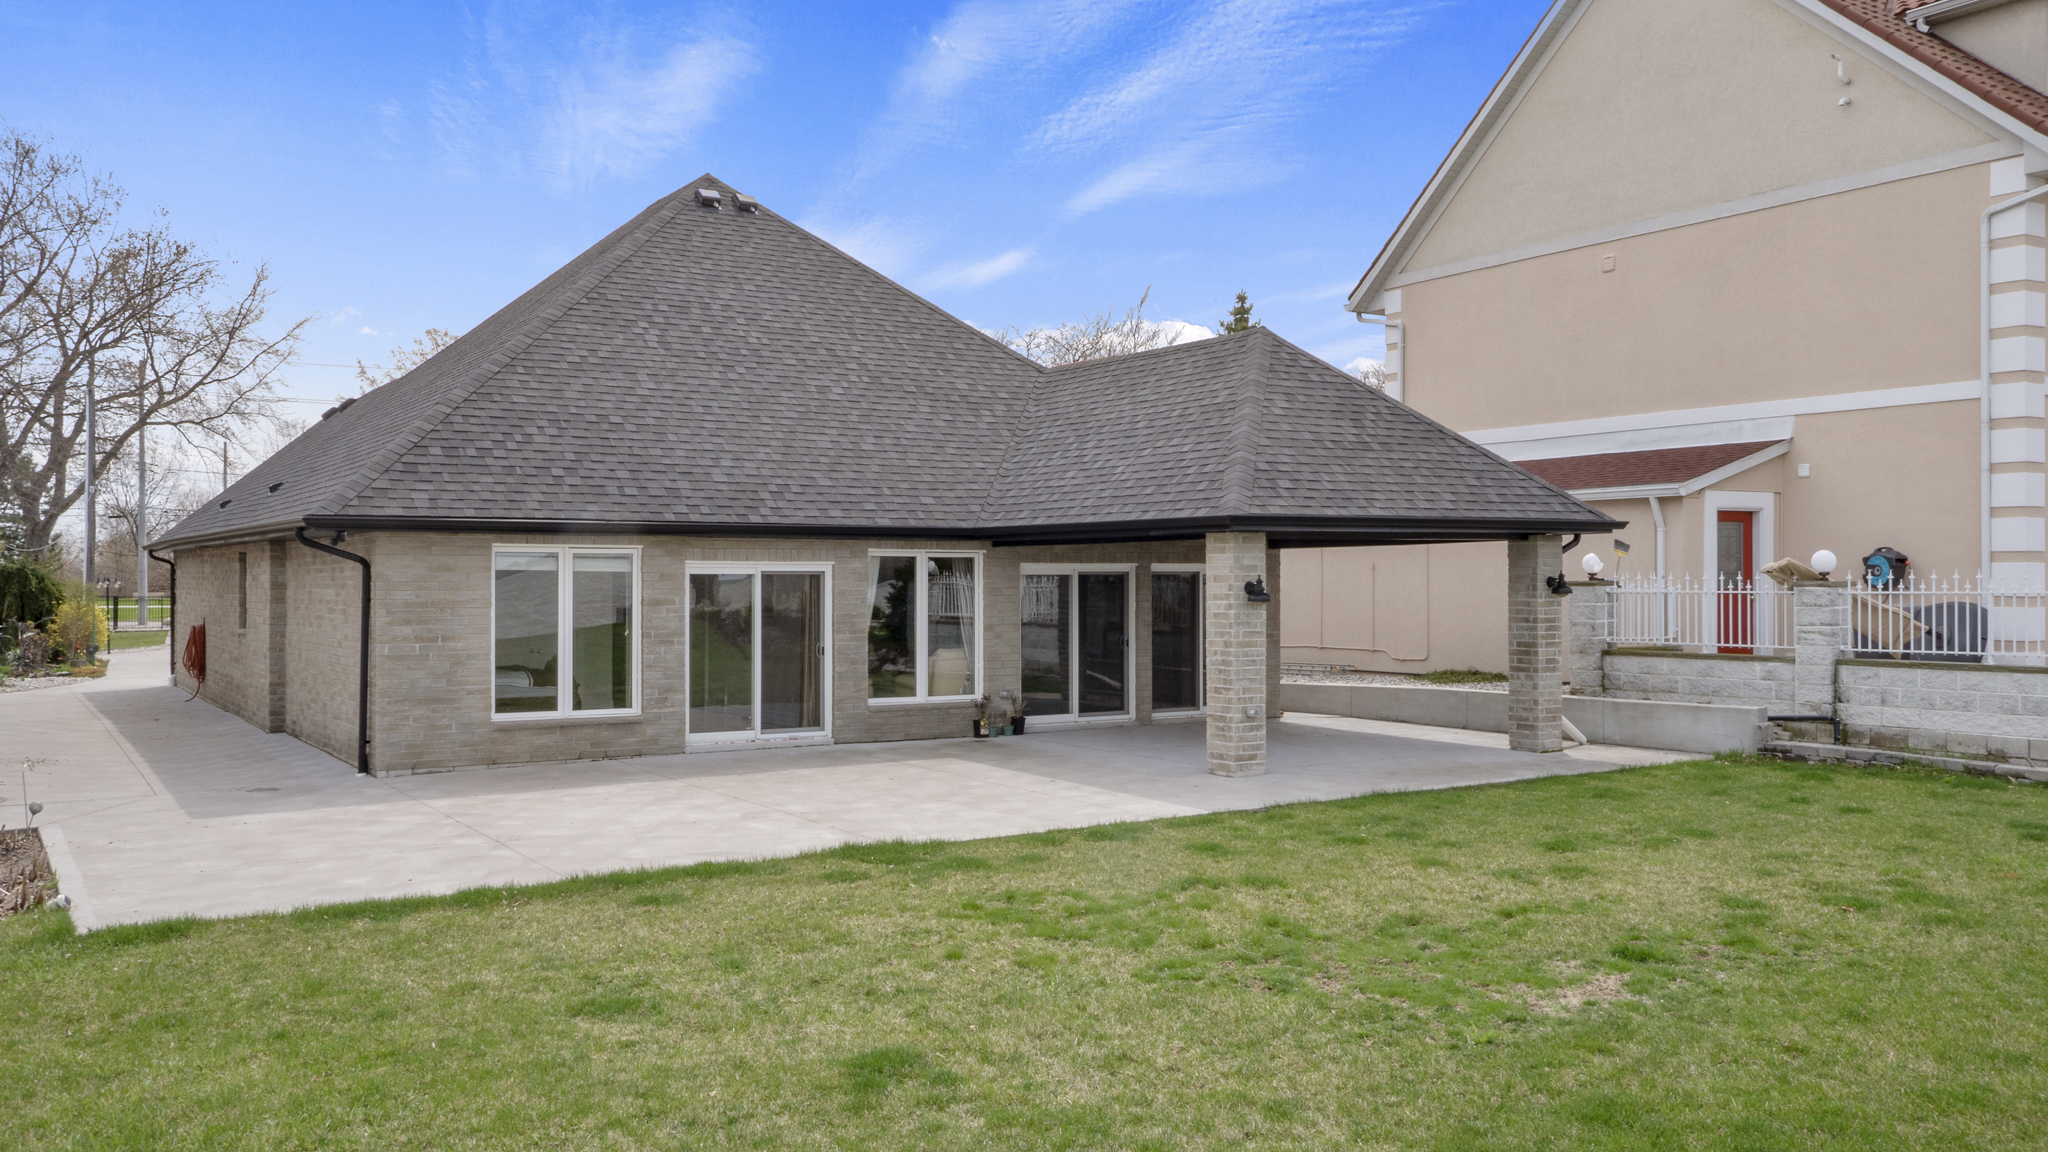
[{"x": 1462, "y": 676}]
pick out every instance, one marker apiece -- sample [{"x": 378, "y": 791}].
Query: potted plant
[{"x": 981, "y": 711}]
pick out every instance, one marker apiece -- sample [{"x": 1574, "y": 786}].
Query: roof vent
[
  {"x": 276, "y": 486},
  {"x": 745, "y": 203},
  {"x": 228, "y": 501},
  {"x": 341, "y": 407},
  {"x": 709, "y": 197}
]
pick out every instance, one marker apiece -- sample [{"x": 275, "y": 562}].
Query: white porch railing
[
  {"x": 1953, "y": 620},
  {"x": 1720, "y": 617}
]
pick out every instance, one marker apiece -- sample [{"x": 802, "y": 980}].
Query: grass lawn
[
  {"x": 118, "y": 640},
  {"x": 1724, "y": 954}
]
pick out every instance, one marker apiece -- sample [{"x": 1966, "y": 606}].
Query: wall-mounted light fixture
[
  {"x": 1558, "y": 585},
  {"x": 1255, "y": 591}
]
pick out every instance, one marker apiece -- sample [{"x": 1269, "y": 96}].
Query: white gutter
[{"x": 1984, "y": 371}]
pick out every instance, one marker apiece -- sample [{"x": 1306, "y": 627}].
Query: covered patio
[{"x": 158, "y": 807}]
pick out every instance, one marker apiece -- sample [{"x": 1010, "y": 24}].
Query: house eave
[{"x": 1284, "y": 531}]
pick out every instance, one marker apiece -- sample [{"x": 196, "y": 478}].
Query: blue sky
[{"x": 401, "y": 166}]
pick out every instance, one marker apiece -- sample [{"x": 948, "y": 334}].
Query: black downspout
[
  {"x": 173, "y": 566},
  {"x": 363, "y": 658}
]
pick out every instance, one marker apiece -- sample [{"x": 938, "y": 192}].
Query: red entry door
[{"x": 1734, "y": 578}]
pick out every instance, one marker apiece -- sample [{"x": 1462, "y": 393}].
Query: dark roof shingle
[{"x": 719, "y": 370}]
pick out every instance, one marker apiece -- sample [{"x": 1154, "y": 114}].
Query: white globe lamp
[
  {"x": 1823, "y": 562},
  {"x": 1591, "y": 563}
]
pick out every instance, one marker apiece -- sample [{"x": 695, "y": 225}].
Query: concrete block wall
[
  {"x": 1975, "y": 711},
  {"x": 1693, "y": 678}
]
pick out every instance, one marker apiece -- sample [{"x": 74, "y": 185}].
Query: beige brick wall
[
  {"x": 432, "y": 664},
  {"x": 1236, "y": 646},
  {"x": 245, "y": 673},
  {"x": 324, "y": 595}
]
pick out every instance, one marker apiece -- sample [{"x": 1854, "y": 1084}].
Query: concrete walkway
[{"x": 158, "y": 807}]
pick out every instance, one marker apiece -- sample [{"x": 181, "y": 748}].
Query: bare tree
[
  {"x": 1374, "y": 374},
  {"x": 404, "y": 359},
  {"x": 142, "y": 322},
  {"x": 1093, "y": 338}
]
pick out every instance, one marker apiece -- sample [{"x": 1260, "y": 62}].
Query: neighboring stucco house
[
  {"x": 1729, "y": 272},
  {"x": 715, "y": 484}
]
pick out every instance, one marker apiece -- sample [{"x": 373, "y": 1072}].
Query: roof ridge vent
[{"x": 710, "y": 197}]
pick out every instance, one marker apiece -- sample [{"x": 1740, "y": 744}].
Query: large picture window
[
  {"x": 924, "y": 626},
  {"x": 563, "y": 637}
]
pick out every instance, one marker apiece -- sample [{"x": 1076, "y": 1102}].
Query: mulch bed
[{"x": 25, "y": 876}]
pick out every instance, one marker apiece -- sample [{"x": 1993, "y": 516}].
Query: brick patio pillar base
[
  {"x": 1535, "y": 646},
  {"x": 1234, "y": 654}
]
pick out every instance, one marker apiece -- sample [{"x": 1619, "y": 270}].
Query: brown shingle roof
[
  {"x": 1627, "y": 469},
  {"x": 2001, "y": 91}
]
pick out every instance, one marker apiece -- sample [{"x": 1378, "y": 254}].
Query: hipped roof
[{"x": 715, "y": 371}]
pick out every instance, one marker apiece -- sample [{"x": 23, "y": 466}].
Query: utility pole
[
  {"x": 223, "y": 463},
  {"x": 142, "y": 525},
  {"x": 91, "y": 492}
]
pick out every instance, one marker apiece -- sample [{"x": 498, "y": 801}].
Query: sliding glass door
[
  {"x": 1076, "y": 642},
  {"x": 757, "y": 654}
]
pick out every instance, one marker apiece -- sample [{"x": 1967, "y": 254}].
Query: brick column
[
  {"x": 1820, "y": 630},
  {"x": 1535, "y": 646},
  {"x": 1234, "y": 654},
  {"x": 1592, "y": 624}
]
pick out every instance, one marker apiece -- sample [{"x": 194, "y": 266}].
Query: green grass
[
  {"x": 117, "y": 640},
  {"x": 1461, "y": 676},
  {"x": 1723, "y": 954}
]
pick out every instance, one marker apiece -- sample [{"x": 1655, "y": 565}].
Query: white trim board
[
  {"x": 1696, "y": 427},
  {"x": 1686, "y": 487},
  {"x": 1996, "y": 150},
  {"x": 1763, "y": 542}
]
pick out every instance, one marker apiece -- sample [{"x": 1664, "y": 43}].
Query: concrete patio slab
[{"x": 169, "y": 807}]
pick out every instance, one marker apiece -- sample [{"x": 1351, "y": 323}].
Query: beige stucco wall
[
  {"x": 1797, "y": 300},
  {"x": 1651, "y": 107},
  {"x": 1416, "y": 608}
]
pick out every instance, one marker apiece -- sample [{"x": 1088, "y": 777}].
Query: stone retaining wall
[
  {"x": 1687, "y": 678},
  {"x": 1975, "y": 710}
]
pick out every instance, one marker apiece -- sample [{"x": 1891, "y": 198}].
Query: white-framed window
[
  {"x": 565, "y": 638},
  {"x": 924, "y": 625},
  {"x": 759, "y": 652}
]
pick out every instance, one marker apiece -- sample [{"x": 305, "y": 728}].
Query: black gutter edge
[
  {"x": 363, "y": 658},
  {"x": 173, "y": 645},
  {"x": 1291, "y": 531}
]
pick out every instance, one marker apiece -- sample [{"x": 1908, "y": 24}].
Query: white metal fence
[
  {"x": 1953, "y": 620},
  {"x": 1683, "y": 612}
]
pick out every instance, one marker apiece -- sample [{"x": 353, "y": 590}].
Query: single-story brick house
[{"x": 716, "y": 484}]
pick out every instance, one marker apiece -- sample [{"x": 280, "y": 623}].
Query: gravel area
[
  {"x": 1379, "y": 678},
  {"x": 31, "y": 683}
]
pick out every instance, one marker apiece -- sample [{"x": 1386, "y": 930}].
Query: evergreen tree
[{"x": 1240, "y": 317}]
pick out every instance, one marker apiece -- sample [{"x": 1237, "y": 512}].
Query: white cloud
[
  {"x": 343, "y": 315},
  {"x": 582, "y": 98},
  {"x": 366, "y": 330},
  {"x": 613, "y": 116},
  {"x": 975, "y": 58},
  {"x": 1201, "y": 112},
  {"x": 1355, "y": 366},
  {"x": 876, "y": 241},
  {"x": 983, "y": 272},
  {"x": 1182, "y": 332}
]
